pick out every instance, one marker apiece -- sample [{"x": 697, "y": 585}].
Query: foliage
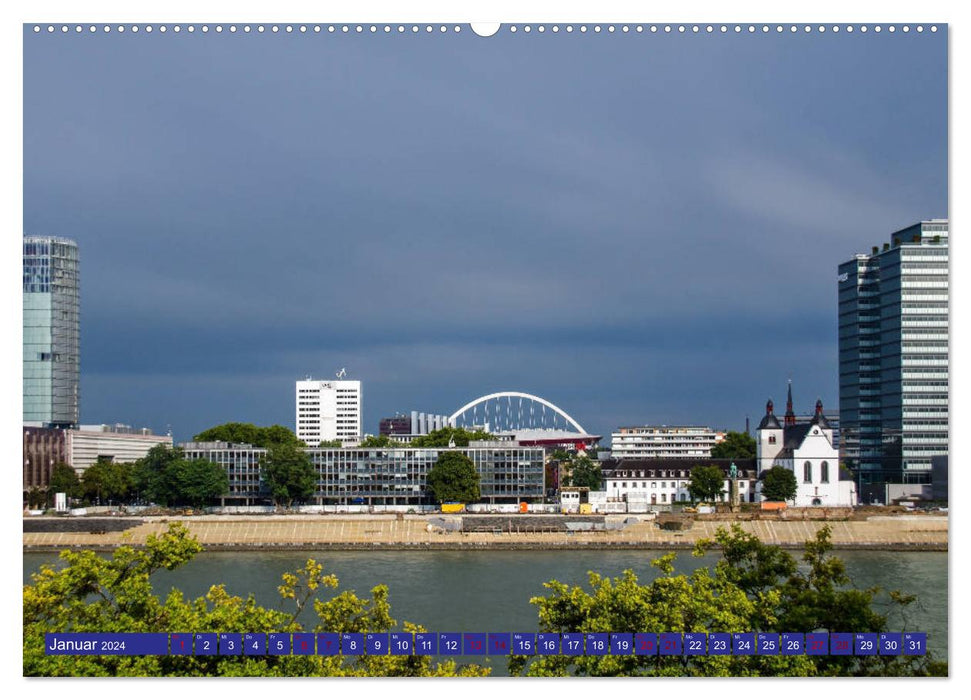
[
  {"x": 331, "y": 443},
  {"x": 108, "y": 481},
  {"x": 289, "y": 473},
  {"x": 378, "y": 441},
  {"x": 735, "y": 446},
  {"x": 96, "y": 594},
  {"x": 446, "y": 435},
  {"x": 753, "y": 587},
  {"x": 250, "y": 434},
  {"x": 707, "y": 483},
  {"x": 165, "y": 476},
  {"x": 454, "y": 479},
  {"x": 64, "y": 480},
  {"x": 779, "y": 484},
  {"x": 583, "y": 471},
  {"x": 36, "y": 498}
]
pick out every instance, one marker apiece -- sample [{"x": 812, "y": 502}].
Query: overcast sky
[{"x": 639, "y": 228}]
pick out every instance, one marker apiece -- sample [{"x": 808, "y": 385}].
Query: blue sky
[{"x": 639, "y": 228}]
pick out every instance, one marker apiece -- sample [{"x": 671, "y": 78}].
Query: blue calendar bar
[
  {"x": 491, "y": 643},
  {"x": 98, "y": 643}
]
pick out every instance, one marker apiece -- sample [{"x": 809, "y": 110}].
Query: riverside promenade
[{"x": 436, "y": 532}]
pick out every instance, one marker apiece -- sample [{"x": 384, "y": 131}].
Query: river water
[{"x": 489, "y": 591}]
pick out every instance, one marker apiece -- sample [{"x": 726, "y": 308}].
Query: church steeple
[
  {"x": 790, "y": 417},
  {"x": 769, "y": 422}
]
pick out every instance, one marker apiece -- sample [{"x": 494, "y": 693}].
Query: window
[
  {"x": 772, "y": 439},
  {"x": 807, "y": 472},
  {"x": 824, "y": 472}
]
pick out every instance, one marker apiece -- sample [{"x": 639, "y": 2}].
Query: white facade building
[
  {"x": 328, "y": 410},
  {"x": 807, "y": 450},
  {"x": 663, "y": 482},
  {"x": 663, "y": 442},
  {"x": 117, "y": 443}
]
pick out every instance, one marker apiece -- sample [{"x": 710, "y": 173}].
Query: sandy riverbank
[{"x": 411, "y": 532}]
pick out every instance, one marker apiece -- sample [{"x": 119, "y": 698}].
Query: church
[{"x": 805, "y": 448}]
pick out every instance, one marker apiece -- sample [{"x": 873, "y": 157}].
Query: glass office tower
[
  {"x": 52, "y": 360},
  {"x": 893, "y": 351}
]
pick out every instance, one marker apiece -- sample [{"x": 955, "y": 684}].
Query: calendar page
[{"x": 591, "y": 345}]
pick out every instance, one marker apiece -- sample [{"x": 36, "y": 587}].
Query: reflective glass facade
[
  {"x": 893, "y": 350},
  {"x": 52, "y": 353}
]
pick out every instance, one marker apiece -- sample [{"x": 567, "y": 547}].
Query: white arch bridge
[{"x": 516, "y": 412}]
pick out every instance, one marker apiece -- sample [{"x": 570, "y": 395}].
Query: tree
[
  {"x": 64, "y": 480},
  {"x": 289, "y": 473},
  {"x": 331, "y": 443},
  {"x": 583, "y": 471},
  {"x": 779, "y": 484},
  {"x": 107, "y": 480},
  {"x": 91, "y": 593},
  {"x": 735, "y": 446},
  {"x": 249, "y": 434},
  {"x": 454, "y": 479},
  {"x": 196, "y": 481},
  {"x": 36, "y": 498},
  {"x": 753, "y": 586},
  {"x": 707, "y": 483},
  {"x": 166, "y": 477},
  {"x": 378, "y": 441},
  {"x": 443, "y": 436}
]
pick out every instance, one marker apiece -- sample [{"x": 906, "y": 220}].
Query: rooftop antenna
[{"x": 342, "y": 373}]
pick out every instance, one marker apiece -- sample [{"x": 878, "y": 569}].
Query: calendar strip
[{"x": 490, "y": 644}]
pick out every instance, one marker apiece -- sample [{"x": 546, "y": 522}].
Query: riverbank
[{"x": 427, "y": 532}]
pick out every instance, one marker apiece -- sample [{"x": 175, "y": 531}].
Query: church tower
[
  {"x": 790, "y": 417},
  {"x": 768, "y": 439}
]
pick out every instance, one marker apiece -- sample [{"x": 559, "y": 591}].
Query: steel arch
[{"x": 515, "y": 394}]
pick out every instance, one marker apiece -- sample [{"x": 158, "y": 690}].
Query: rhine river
[{"x": 489, "y": 591}]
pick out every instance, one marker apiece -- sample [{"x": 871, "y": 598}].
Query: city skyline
[{"x": 634, "y": 265}]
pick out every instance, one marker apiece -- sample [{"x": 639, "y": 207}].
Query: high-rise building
[
  {"x": 893, "y": 352},
  {"x": 663, "y": 442},
  {"x": 328, "y": 410},
  {"x": 52, "y": 347}
]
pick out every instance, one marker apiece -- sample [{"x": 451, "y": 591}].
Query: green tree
[
  {"x": 64, "y": 480},
  {"x": 166, "y": 477},
  {"x": 91, "y": 593},
  {"x": 230, "y": 432},
  {"x": 378, "y": 441},
  {"x": 195, "y": 482},
  {"x": 249, "y": 434},
  {"x": 106, "y": 480},
  {"x": 735, "y": 446},
  {"x": 454, "y": 479},
  {"x": 778, "y": 484},
  {"x": 583, "y": 471},
  {"x": 707, "y": 483},
  {"x": 446, "y": 435},
  {"x": 331, "y": 443},
  {"x": 152, "y": 476},
  {"x": 289, "y": 473},
  {"x": 36, "y": 498},
  {"x": 752, "y": 587}
]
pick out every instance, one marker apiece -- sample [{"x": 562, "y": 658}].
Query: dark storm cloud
[{"x": 646, "y": 228}]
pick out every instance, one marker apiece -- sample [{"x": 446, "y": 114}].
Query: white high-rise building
[
  {"x": 663, "y": 442},
  {"x": 328, "y": 410}
]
